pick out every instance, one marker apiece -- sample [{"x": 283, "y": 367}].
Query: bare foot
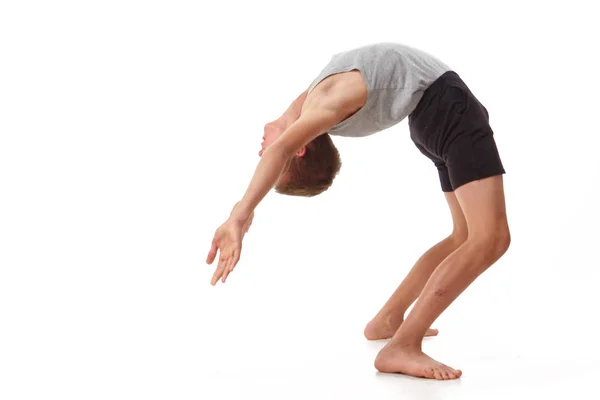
[
  {"x": 412, "y": 361},
  {"x": 383, "y": 328}
]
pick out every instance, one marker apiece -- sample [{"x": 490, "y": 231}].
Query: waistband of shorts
[{"x": 447, "y": 77}]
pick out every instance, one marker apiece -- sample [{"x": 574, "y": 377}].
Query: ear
[{"x": 301, "y": 152}]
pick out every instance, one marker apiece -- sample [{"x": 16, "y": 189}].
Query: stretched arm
[
  {"x": 276, "y": 157},
  {"x": 228, "y": 237},
  {"x": 293, "y": 112},
  {"x": 315, "y": 119}
]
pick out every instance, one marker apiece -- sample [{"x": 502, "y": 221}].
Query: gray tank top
[{"x": 396, "y": 76}]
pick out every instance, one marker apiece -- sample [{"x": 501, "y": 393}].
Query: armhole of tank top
[
  {"x": 362, "y": 110},
  {"x": 335, "y": 71}
]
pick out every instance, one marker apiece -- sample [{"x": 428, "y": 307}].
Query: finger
[
  {"x": 227, "y": 270},
  {"x": 216, "y": 277},
  {"x": 218, "y": 272},
  {"x": 225, "y": 275},
  {"x": 236, "y": 258},
  {"x": 212, "y": 253}
]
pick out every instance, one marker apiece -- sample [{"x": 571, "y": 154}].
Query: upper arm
[
  {"x": 311, "y": 124},
  {"x": 322, "y": 110}
]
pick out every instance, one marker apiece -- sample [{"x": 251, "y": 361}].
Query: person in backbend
[{"x": 367, "y": 90}]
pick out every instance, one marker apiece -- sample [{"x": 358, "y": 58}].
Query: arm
[
  {"x": 228, "y": 237},
  {"x": 293, "y": 111},
  {"x": 316, "y": 118},
  {"x": 274, "y": 160}
]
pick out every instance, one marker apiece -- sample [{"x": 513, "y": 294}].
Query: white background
[{"x": 128, "y": 130}]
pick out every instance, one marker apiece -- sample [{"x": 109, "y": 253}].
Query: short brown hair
[{"x": 313, "y": 173}]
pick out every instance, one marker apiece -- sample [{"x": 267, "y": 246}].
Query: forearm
[
  {"x": 270, "y": 167},
  {"x": 276, "y": 157}
]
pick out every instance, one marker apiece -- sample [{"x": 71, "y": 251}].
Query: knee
[
  {"x": 459, "y": 236},
  {"x": 493, "y": 243},
  {"x": 504, "y": 242}
]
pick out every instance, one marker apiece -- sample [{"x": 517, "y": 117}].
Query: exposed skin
[
  {"x": 391, "y": 316},
  {"x": 333, "y": 100},
  {"x": 488, "y": 239},
  {"x": 480, "y": 234}
]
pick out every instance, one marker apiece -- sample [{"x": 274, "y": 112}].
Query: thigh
[
  {"x": 483, "y": 205},
  {"x": 460, "y": 229}
]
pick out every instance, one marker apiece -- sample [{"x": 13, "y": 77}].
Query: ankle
[
  {"x": 392, "y": 318},
  {"x": 406, "y": 339},
  {"x": 406, "y": 346}
]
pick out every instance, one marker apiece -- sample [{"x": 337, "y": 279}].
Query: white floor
[
  {"x": 534, "y": 338},
  {"x": 151, "y": 327}
]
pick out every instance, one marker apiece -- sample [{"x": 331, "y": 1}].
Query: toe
[
  {"x": 454, "y": 373},
  {"x": 431, "y": 332},
  {"x": 447, "y": 374},
  {"x": 368, "y": 332},
  {"x": 438, "y": 374},
  {"x": 429, "y": 373}
]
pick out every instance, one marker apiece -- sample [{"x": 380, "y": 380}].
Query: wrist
[{"x": 240, "y": 212}]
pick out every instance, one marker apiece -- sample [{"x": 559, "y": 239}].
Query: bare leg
[
  {"x": 391, "y": 316},
  {"x": 484, "y": 208}
]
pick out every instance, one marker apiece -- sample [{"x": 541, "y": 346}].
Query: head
[{"x": 312, "y": 169}]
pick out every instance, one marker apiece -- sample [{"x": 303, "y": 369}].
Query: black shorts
[{"x": 451, "y": 127}]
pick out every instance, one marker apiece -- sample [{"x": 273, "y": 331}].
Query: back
[{"x": 396, "y": 76}]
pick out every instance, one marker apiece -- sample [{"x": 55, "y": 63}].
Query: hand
[{"x": 228, "y": 240}]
